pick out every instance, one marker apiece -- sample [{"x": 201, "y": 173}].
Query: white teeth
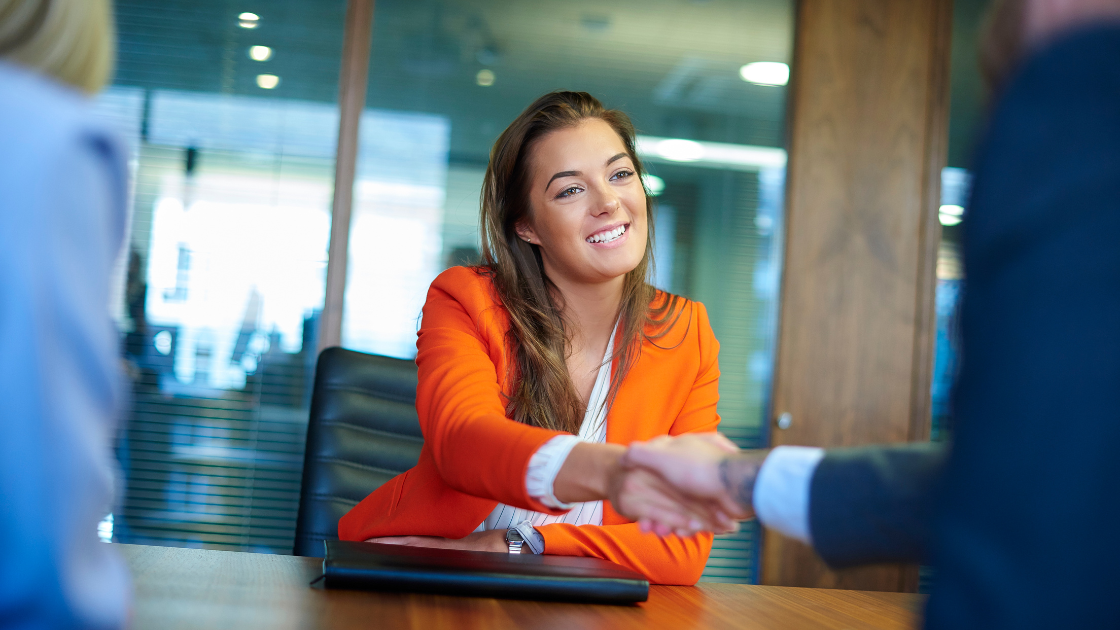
[{"x": 606, "y": 237}]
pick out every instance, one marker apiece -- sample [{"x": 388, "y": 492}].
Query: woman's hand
[
  {"x": 704, "y": 476},
  {"x": 493, "y": 541},
  {"x": 658, "y": 506}
]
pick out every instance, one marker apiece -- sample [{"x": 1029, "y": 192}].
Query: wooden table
[{"x": 192, "y": 588}]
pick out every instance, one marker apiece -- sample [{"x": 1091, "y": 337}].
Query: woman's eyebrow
[
  {"x": 577, "y": 173},
  {"x": 564, "y": 174}
]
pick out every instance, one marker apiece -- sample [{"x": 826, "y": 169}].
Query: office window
[
  {"x": 231, "y": 115},
  {"x": 966, "y": 115},
  {"x": 703, "y": 82},
  {"x": 968, "y": 106}
]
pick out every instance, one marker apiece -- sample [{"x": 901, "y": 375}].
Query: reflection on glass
[
  {"x": 451, "y": 74},
  {"x": 223, "y": 279},
  {"x": 395, "y": 233},
  {"x": 956, "y": 186}
]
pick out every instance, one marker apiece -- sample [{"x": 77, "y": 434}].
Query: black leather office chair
[{"x": 363, "y": 431}]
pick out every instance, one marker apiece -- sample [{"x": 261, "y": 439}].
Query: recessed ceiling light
[
  {"x": 248, "y": 20},
  {"x": 268, "y": 81},
  {"x": 765, "y": 73},
  {"x": 952, "y": 210},
  {"x": 485, "y": 77},
  {"x": 260, "y": 53}
]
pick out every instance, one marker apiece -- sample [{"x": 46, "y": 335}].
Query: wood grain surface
[
  {"x": 194, "y": 588},
  {"x": 868, "y": 113}
]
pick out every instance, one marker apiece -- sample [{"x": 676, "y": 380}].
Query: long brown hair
[{"x": 543, "y": 393}]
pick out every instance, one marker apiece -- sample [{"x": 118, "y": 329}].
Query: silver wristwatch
[
  {"x": 514, "y": 539},
  {"x": 524, "y": 534}
]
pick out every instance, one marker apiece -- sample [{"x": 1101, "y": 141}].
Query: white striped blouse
[{"x": 548, "y": 459}]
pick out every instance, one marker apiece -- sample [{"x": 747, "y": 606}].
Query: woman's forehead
[{"x": 589, "y": 144}]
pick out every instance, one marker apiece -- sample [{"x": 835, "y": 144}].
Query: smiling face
[{"x": 587, "y": 205}]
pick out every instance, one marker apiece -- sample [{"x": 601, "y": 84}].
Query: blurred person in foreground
[
  {"x": 1020, "y": 517},
  {"x": 62, "y": 216}
]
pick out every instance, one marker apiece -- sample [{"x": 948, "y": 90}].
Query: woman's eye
[
  {"x": 568, "y": 192},
  {"x": 622, "y": 174}
]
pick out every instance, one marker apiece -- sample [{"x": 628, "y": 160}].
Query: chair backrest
[{"x": 363, "y": 431}]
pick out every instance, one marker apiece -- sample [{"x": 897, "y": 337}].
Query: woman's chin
[{"x": 614, "y": 269}]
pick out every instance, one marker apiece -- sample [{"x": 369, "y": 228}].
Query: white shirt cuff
[
  {"x": 544, "y": 465},
  {"x": 781, "y": 492}
]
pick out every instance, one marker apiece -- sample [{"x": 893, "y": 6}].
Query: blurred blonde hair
[{"x": 70, "y": 40}]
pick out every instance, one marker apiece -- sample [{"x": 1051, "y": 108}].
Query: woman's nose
[{"x": 608, "y": 203}]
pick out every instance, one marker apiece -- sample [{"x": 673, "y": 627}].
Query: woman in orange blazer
[{"x": 557, "y": 334}]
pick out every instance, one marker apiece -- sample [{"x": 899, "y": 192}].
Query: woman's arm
[
  {"x": 664, "y": 560},
  {"x": 476, "y": 448}
]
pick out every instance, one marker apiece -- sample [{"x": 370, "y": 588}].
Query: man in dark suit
[{"x": 1020, "y": 518}]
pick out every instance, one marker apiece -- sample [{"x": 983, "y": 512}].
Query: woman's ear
[{"x": 525, "y": 232}]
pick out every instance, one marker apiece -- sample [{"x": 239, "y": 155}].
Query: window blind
[{"x": 223, "y": 275}]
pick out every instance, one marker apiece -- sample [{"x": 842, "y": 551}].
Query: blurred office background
[{"x": 231, "y": 110}]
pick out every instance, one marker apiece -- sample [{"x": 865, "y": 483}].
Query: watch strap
[{"x": 532, "y": 537}]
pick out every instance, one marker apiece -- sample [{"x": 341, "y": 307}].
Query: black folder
[{"x": 377, "y": 567}]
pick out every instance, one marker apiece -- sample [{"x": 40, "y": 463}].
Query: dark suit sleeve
[{"x": 873, "y": 504}]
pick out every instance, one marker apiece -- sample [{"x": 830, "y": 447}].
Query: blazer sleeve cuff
[{"x": 544, "y": 465}]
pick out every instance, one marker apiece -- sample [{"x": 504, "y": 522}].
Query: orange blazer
[{"x": 474, "y": 457}]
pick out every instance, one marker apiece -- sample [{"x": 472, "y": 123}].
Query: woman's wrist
[{"x": 587, "y": 471}]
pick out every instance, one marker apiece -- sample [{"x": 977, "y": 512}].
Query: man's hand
[
  {"x": 659, "y": 507},
  {"x": 493, "y": 540},
  {"x": 703, "y": 474}
]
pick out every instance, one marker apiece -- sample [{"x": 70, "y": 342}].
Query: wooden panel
[
  {"x": 352, "y": 81},
  {"x": 868, "y": 117},
  {"x": 193, "y": 588}
]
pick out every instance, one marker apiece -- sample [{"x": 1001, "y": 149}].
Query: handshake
[{"x": 686, "y": 484}]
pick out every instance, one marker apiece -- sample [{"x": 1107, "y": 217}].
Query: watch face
[{"x": 514, "y": 536}]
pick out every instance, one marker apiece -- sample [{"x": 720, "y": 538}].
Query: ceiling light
[
  {"x": 485, "y": 77},
  {"x": 952, "y": 210},
  {"x": 765, "y": 73},
  {"x": 268, "y": 81},
  {"x": 248, "y": 20},
  {"x": 738, "y": 157},
  {"x": 948, "y": 219},
  {"x": 654, "y": 184},
  {"x": 260, "y": 53},
  {"x": 679, "y": 150}
]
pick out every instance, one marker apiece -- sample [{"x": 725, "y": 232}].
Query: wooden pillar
[
  {"x": 352, "y": 80},
  {"x": 868, "y": 135}
]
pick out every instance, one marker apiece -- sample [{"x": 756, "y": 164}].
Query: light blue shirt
[{"x": 62, "y": 214}]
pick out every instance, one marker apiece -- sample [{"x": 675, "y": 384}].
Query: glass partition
[
  {"x": 704, "y": 82},
  {"x": 968, "y": 105},
  {"x": 968, "y": 97},
  {"x": 231, "y": 115}
]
